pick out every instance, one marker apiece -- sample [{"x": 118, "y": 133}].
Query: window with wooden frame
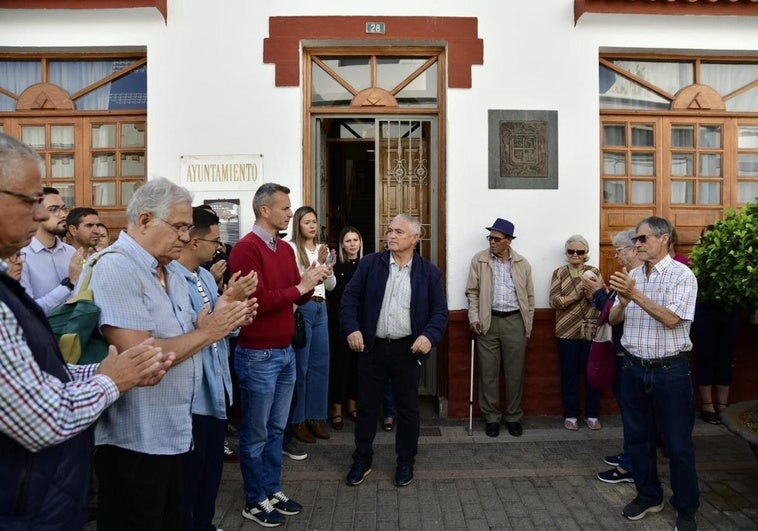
[
  {"x": 678, "y": 139},
  {"x": 86, "y": 115}
]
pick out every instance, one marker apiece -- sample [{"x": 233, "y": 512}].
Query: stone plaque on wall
[{"x": 523, "y": 149}]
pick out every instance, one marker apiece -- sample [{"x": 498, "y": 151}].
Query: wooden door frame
[{"x": 310, "y": 113}]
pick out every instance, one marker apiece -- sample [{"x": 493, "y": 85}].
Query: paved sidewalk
[{"x": 542, "y": 480}]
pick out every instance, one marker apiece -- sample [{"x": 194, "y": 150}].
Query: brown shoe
[
  {"x": 317, "y": 429},
  {"x": 302, "y": 433}
]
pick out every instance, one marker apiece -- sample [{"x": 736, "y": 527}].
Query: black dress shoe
[
  {"x": 514, "y": 428},
  {"x": 492, "y": 429}
]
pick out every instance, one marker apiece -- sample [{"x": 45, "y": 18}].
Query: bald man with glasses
[
  {"x": 501, "y": 310},
  {"x": 52, "y": 267}
]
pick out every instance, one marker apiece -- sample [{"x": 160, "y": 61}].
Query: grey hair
[
  {"x": 415, "y": 224},
  {"x": 624, "y": 238},
  {"x": 156, "y": 197},
  {"x": 12, "y": 152},
  {"x": 659, "y": 227},
  {"x": 264, "y": 194},
  {"x": 578, "y": 238}
]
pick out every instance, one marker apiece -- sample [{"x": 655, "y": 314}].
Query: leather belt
[
  {"x": 392, "y": 339},
  {"x": 504, "y": 314},
  {"x": 316, "y": 298},
  {"x": 658, "y": 362}
]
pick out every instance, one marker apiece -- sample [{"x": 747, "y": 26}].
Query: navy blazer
[{"x": 362, "y": 299}]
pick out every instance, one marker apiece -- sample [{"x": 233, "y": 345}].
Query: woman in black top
[{"x": 342, "y": 370}]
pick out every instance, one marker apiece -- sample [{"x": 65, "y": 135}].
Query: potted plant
[{"x": 725, "y": 262}]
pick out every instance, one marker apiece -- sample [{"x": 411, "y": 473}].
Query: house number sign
[{"x": 374, "y": 27}]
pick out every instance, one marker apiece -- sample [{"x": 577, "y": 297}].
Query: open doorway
[
  {"x": 351, "y": 195},
  {"x": 369, "y": 169}
]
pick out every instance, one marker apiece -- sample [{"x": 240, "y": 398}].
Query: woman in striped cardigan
[{"x": 573, "y": 316}]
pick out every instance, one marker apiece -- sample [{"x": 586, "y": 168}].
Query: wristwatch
[{"x": 67, "y": 282}]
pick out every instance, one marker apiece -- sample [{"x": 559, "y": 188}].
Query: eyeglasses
[
  {"x": 179, "y": 228},
  {"x": 216, "y": 241},
  {"x": 31, "y": 200},
  {"x": 19, "y": 257},
  {"x": 578, "y": 252},
  {"x": 57, "y": 209},
  {"x": 642, "y": 238},
  {"x": 620, "y": 249},
  {"x": 498, "y": 239}
]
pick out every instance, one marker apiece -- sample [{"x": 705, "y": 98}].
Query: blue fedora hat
[{"x": 504, "y": 226}]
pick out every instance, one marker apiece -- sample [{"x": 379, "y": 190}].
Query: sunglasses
[
  {"x": 642, "y": 238},
  {"x": 578, "y": 252},
  {"x": 497, "y": 239}
]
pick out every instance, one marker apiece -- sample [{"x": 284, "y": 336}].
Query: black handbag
[{"x": 299, "y": 340}]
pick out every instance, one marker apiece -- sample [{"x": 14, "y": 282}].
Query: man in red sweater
[{"x": 264, "y": 359}]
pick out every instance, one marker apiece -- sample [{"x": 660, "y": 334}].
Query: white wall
[{"x": 209, "y": 58}]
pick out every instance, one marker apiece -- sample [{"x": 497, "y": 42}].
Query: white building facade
[{"x": 220, "y": 83}]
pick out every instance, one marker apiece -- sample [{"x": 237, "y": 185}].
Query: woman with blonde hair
[
  {"x": 574, "y": 316},
  {"x": 311, "y": 398}
]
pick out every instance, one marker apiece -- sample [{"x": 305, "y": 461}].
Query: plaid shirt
[
  {"x": 37, "y": 409},
  {"x": 673, "y": 286}
]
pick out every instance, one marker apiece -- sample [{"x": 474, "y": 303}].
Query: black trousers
[
  {"x": 203, "y": 466},
  {"x": 138, "y": 491},
  {"x": 393, "y": 361}
]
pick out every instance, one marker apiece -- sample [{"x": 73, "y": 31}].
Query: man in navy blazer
[{"x": 393, "y": 312}]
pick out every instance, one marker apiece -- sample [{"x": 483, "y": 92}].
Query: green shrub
[{"x": 725, "y": 261}]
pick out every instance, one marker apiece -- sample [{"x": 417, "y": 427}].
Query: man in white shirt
[{"x": 52, "y": 267}]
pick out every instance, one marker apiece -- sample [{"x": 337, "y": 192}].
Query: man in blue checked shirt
[
  {"x": 141, "y": 292},
  {"x": 204, "y": 463},
  {"x": 46, "y": 405}
]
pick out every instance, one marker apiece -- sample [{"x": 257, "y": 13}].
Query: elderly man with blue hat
[{"x": 501, "y": 310}]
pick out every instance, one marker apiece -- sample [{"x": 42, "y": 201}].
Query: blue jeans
[
  {"x": 625, "y": 461},
  {"x": 574, "y": 354},
  {"x": 266, "y": 379},
  {"x": 313, "y": 366},
  {"x": 389, "y": 402},
  {"x": 661, "y": 399}
]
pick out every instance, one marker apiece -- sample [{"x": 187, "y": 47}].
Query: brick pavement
[{"x": 542, "y": 480}]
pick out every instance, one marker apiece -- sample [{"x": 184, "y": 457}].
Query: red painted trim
[
  {"x": 160, "y": 5},
  {"x": 744, "y": 8},
  {"x": 282, "y": 46}
]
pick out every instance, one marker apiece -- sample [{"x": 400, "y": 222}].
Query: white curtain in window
[
  {"x": 15, "y": 77},
  {"x": 75, "y": 75},
  {"x": 726, "y": 78}
]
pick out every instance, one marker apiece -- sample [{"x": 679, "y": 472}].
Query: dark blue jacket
[
  {"x": 599, "y": 299},
  {"x": 362, "y": 300},
  {"x": 44, "y": 490}
]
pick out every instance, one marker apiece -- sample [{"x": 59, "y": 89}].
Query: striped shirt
[
  {"x": 504, "y": 299},
  {"x": 395, "y": 315},
  {"x": 673, "y": 286},
  {"x": 37, "y": 409}
]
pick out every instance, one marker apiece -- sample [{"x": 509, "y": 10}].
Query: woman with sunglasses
[{"x": 574, "y": 314}]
